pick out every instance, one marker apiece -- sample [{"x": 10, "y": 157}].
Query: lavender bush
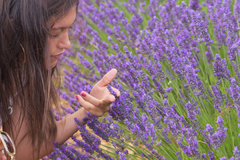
[{"x": 178, "y": 74}]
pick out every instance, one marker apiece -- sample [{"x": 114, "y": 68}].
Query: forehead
[{"x": 66, "y": 21}]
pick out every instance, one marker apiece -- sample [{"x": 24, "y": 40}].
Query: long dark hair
[{"x": 24, "y": 29}]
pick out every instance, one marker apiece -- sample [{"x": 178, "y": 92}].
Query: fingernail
[
  {"x": 77, "y": 97},
  {"x": 83, "y": 94},
  {"x": 4, "y": 157}
]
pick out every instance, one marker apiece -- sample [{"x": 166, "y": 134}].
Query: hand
[
  {"x": 2, "y": 155},
  {"x": 99, "y": 100},
  {"x": 100, "y": 90}
]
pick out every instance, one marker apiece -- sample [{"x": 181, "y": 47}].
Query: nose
[{"x": 64, "y": 42}]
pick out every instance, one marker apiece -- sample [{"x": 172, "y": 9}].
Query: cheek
[{"x": 52, "y": 46}]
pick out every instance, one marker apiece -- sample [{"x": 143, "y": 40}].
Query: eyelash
[{"x": 55, "y": 36}]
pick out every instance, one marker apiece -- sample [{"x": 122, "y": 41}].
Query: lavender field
[{"x": 178, "y": 74}]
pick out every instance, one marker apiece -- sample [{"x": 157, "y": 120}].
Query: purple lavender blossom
[
  {"x": 211, "y": 156},
  {"x": 169, "y": 89},
  {"x": 194, "y": 4},
  {"x": 191, "y": 76},
  {"x": 220, "y": 68},
  {"x": 236, "y": 152},
  {"x": 160, "y": 64},
  {"x": 191, "y": 111},
  {"x": 221, "y": 129},
  {"x": 165, "y": 135},
  {"x": 219, "y": 97},
  {"x": 209, "y": 54},
  {"x": 87, "y": 137},
  {"x": 201, "y": 29},
  {"x": 178, "y": 155},
  {"x": 64, "y": 150},
  {"x": 204, "y": 156}
]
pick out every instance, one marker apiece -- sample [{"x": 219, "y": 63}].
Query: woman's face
[{"x": 59, "y": 41}]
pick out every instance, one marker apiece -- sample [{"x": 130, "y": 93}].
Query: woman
[{"x": 33, "y": 35}]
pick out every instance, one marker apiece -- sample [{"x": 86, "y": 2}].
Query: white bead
[{"x": 11, "y": 110}]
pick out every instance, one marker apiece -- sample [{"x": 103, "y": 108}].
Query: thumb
[{"x": 107, "y": 78}]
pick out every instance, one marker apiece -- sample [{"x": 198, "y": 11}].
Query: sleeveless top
[{"x": 11, "y": 100}]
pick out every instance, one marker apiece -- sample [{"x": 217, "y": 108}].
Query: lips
[{"x": 57, "y": 56}]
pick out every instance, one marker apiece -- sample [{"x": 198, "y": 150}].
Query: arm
[
  {"x": 97, "y": 103},
  {"x": 65, "y": 129},
  {"x": 67, "y": 126}
]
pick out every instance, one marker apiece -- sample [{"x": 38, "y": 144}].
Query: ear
[
  {"x": 10, "y": 28},
  {"x": 10, "y": 21}
]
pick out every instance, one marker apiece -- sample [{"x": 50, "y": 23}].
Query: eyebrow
[
  {"x": 64, "y": 27},
  {"x": 59, "y": 28}
]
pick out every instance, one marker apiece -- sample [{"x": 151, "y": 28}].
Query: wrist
[{"x": 83, "y": 115}]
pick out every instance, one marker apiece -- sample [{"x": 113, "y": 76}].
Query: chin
[{"x": 53, "y": 64}]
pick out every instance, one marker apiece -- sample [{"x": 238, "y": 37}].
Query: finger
[
  {"x": 111, "y": 98},
  {"x": 107, "y": 78},
  {"x": 2, "y": 156},
  {"x": 1, "y": 146},
  {"x": 94, "y": 101},
  {"x": 88, "y": 106},
  {"x": 117, "y": 91}
]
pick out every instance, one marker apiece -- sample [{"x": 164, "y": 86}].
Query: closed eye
[{"x": 54, "y": 36}]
